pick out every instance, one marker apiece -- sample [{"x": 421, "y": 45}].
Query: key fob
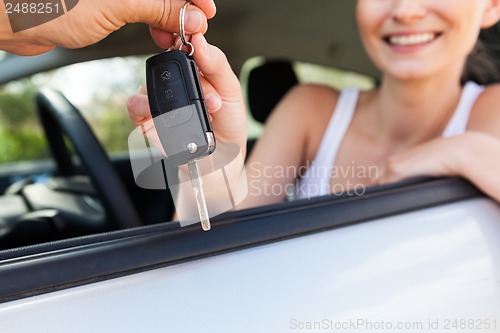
[{"x": 178, "y": 107}]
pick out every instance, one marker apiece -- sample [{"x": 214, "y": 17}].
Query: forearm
[
  {"x": 7, "y": 41},
  {"x": 21, "y": 42},
  {"x": 92, "y": 20},
  {"x": 6, "y": 34},
  {"x": 480, "y": 161}
]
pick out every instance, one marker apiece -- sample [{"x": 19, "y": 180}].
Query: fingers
[
  {"x": 164, "y": 18},
  {"x": 391, "y": 171},
  {"x": 212, "y": 98},
  {"x": 229, "y": 122},
  {"x": 218, "y": 79},
  {"x": 406, "y": 164},
  {"x": 163, "y": 39},
  {"x": 426, "y": 159},
  {"x": 138, "y": 104},
  {"x": 139, "y": 114},
  {"x": 213, "y": 63},
  {"x": 138, "y": 107},
  {"x": 208, "y": 7},
  {"x": 222, "y": 93},
  {"x": 195, "y": 19}
]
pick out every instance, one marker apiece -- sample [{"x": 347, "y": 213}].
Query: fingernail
[
  {"x": 203, "y": 45},
  {"x": 214, "y": 103},
  {"x": 194, "y": 21}
]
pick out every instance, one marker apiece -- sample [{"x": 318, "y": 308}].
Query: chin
[{"x": 408, "y": 73}]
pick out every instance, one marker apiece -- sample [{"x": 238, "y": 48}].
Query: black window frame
[{"x": 43, "y": 268}]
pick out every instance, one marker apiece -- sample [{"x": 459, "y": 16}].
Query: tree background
[{"x": 100, "y": 98}]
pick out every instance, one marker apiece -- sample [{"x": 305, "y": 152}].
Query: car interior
[{"x": 83, "y": 190}]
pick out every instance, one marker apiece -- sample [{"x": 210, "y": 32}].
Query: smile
[{"x": 411, "y": 39}]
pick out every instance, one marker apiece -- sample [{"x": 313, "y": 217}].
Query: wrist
[
  {"x": 468, "y": 153},
  {"x": 24, "y": 40},
  {"x": 24, "y": 43},
  {"x": 22, "y": 48}
]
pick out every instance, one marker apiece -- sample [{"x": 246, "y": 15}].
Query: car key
[
  {"x": 201, "y": 203},
  {"x": 179, "y": 113},
  {"x": 178, "y": 107},
  {"x": 180, "y": 116}
]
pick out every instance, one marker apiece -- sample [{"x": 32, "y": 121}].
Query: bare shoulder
[
  {"x": 307, "y": 95},
  {"x": 304, "y": 111},
  {"x": 485, "y": 116},
  {"x": 307, "y": 109},
  {"x": 308, "y": 104}
]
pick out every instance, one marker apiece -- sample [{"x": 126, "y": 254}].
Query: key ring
[{"x": 181, "y": 30}]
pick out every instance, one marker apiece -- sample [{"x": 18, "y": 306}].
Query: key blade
[
  {"x": 202, "y": 209},
  {"x": 201, "y": 203}
]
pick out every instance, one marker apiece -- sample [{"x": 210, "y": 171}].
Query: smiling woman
[
  {"x": 402, "y": 127},
  {"x": 442, "y": 32},
  {"x": 423, "y": 251}
]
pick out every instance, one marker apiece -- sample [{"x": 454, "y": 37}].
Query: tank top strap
[
  {"x": 460, "y": 119},
  {"x": 337, "y": 127},
  {"x": 316, "y": 180}
]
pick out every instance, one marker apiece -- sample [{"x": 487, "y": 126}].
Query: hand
[
  {"x": 92, "y": 20},
  {"x": 474, "y": 156},
  {"x": 439, "y": 157},
  {"x": 222, "y": 92}
]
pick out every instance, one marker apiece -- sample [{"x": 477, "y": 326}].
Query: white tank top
[{"x": 316, "y": 180}]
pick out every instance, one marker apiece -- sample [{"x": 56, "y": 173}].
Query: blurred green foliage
[
  {"x": 111, "y": 124},
  {"x": 21, "y": 137},
  {"x": 21, "y": 134}
]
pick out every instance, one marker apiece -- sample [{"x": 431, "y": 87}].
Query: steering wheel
[{"x": 58, "y": 117}]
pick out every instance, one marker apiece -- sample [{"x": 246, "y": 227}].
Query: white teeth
[{"x": 412, "y": 39}]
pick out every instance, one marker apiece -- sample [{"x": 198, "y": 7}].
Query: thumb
[{"x": 164, "y": 14}]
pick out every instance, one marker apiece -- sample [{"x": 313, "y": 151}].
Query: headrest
[{"x": 267, "y": 84}]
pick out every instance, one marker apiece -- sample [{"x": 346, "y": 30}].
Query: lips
[{"x": 411, "y": 39}]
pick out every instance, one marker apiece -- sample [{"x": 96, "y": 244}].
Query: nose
[{"x": 407, "y": 11}]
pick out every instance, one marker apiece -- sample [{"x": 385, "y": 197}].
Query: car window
[
  {"x": 99, "y": 89},
  {"x": 307, "y": 73}
]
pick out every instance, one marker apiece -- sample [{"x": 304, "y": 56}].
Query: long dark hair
[{"x": 482, "y": 65}]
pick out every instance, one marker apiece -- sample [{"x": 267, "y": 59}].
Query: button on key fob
[{"x": 178, "y": 107}]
